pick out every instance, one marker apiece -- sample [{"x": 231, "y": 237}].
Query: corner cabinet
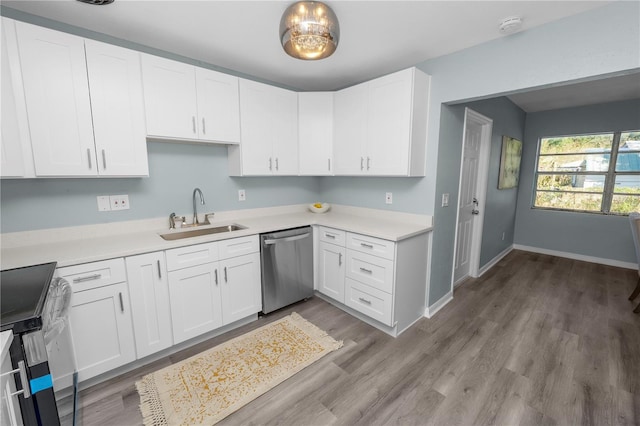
[
  {"x": 88, "y": 89},
  {"x": 380, "y": 126},
  {"x": 315, "y": 133},
  {"x": 269, "y": 128},
  {"x": 188, "y": 103}
]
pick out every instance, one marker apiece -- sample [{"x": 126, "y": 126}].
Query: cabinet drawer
[
  {"x": 238, "y": 246},
  {"x": 94, "y": 275},
  {"x": 370, "y": 270},
  {"x": 372, "y": 245},
  {"x": 184, "y": 257},
  {"x": 371, "y": 302},
  {"x": 330, "y": 235}
]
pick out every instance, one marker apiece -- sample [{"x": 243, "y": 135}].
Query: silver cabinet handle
[
  {"x": 339, "y": 259},
  {"x": 270, "y": 164},
  {"x": 368, "y": 162},
  {"x": 89, "y": 158},
  {"x": 23, "y": 378},
  {"x": 363, "y": 300},
  {"x": 204, "y": 129},
  {"x": 276, "y": 163},
  {"x": 87, "y": 278},
  {"x": 361, "y": 163},
  {"x": 225, "y": 275},
  {"x": 193, "y": 123},
  {"x": 104, "y": 160},
  {"x": 216, "y": 275},
  {"x": 333, "y": 237},
  {"x": 366, "y": 245},
  {"x": 368, "y": 271},
  {"x": 329, "y": 164},
  {"x": 121, "y": 302},
  {"x": 159, "y": 270}
]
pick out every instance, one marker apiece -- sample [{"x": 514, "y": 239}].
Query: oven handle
[{"x": 23, "y": 378}]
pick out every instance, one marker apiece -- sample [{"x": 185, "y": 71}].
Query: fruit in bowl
[{"x": 319, "y": 207}]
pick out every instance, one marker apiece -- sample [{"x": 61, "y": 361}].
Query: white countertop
[{"x": 76, "y": 245}]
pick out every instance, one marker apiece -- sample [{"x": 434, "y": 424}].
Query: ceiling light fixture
[
  {"x": 309, "y": 30},
  {"x": 97, "y": 2},
  {"x": 510, "y": 25}
]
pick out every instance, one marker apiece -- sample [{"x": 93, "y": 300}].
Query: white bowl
[{"x": 324, "y": 208}]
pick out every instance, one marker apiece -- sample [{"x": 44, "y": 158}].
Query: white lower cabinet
[
  {"x": 150, "y": 308},
  {"x": 331, "y": 267},
  {"x": 100, "y": 317},
  {"x": 240, "y": 287}
]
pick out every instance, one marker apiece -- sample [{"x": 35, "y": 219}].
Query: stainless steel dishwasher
[{"x": 287, "y": 267}]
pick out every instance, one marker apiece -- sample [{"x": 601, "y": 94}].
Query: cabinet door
[
  {"x": 257, "y": 128},
  {"x": 150, "y": 309},
  {"x": 218, "y": 106},
  {"x": 315, "y": 133},
  {"x": 389, "y": 124},
  {"x": 349, "y": 127},
  {"x": 115, "y": 84},
  {"x": 57, "y": 96},
  {"x": 331, "y": 265},
  {"x": 241, "y": 295},
  {"x": 195, "y": 301},
  {"x": 284, "y": 116},
  {"x": 169, "y": 98},
  {"x": 101, "y": 330},
  {"x": 11, "y": 160}
]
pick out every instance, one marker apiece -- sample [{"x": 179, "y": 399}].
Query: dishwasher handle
[{"x": 286, "y": 239}]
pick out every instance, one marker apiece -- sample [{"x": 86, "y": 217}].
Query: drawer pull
[
  {"x": 87, "y": 278},
  {"x": 363, "y": 300},
  {"x": 333, "y": 237},
  {"x": 121, "y": 302},
  {"x": 216, "y": 276},
  {"x": 159, "y": 270},
  {"x": 339, "y": 259},
  {"x": 369, "y": 246},
  {"x": 368, "y": 271},
  {"x": 225, "y": 275}
]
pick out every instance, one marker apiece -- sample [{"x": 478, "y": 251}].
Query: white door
[
  {"x": 389, "y": 124},
  {"x": 240, "y": 280},
  {"x": 284, "y": 115},
  {"x": 331, "y": 264},
  {"x": 11, "y": 161},
  {"x": 218, "y": 106},
  {"x": 315, "y": 133},
  {"x": 169, "y": 98},
  {"x": 117, "y": 104},
  {"x": 195, "y": 301},
  {"x": 56, "y": 90},
  {"x": 477, "y": 140},
  {"x": 256, "y": 128},
  {"x": 101, "y": 330},
  {"x": 349, "y": 130},
  {"x": 150, "y": 308}
]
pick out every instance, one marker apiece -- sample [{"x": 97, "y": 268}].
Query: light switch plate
[
  {"x": 445, "y": 200},
  {"x": 104, "y": 205}
]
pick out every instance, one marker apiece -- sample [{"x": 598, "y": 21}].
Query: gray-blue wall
[
  {"x": 175, "y": 170},
  {"x": 588, "y": 234}
]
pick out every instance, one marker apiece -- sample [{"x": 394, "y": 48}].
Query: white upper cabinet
[
  {"x": 115, "y": 85},
  {"x": 380, "y": 127},
  {"x": 57, "y": 96},
  {"x": 12, "y": 137},
  {"x": 85, "y": 112},
  {"x": 188, "y": 103},
  {"x": 315, "y": 133},
  {"x": 269, "y": 128}
]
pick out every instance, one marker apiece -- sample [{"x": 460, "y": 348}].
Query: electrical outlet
[
  {"x": 119, "y": 202},
  {"x": 241, "y": 195},
  {"x": 445, "y": 200},
  {"x": 388, "y": 198},
  {"x": 104, "y": 205}
]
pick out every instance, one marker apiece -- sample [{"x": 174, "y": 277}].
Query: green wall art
[{"x": 510, "y": 163}]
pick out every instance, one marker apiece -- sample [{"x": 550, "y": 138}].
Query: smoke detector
[{"x": 510, "y": 25}]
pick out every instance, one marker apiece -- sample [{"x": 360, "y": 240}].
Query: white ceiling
[{"x": 377, "y": 37}]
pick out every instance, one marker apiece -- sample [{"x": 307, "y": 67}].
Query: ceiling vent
[{"x": 510, "y": 25}]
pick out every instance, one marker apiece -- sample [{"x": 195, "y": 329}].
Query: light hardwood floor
[{"x": 538, "y": 340}]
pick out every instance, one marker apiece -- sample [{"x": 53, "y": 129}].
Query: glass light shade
[{"x": 309, "y": 30}]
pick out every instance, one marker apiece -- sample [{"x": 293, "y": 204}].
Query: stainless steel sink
[{"x": 202, "y": 231}]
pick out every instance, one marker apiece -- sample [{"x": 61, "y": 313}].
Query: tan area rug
[{"x": 206, "y": 388}]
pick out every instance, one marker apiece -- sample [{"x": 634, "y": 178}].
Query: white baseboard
[
  {"x": 433, "y": 309},
  {"x": 495, "y": 260},
  {"x": 592, "y": 259}
]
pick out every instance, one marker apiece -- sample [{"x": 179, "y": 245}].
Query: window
[{"x": 597, "y": 173}]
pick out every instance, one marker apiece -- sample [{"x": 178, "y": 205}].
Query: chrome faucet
[{"x": 195, "y": 211}]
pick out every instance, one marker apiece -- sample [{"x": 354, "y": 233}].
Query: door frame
[{"x": 471, "y": 116}]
